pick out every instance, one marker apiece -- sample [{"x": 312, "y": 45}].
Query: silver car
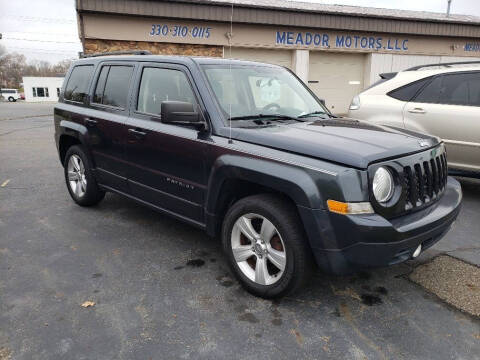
[{"x": 439, "y": 99}]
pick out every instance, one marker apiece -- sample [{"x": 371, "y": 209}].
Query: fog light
[{"x": 417, "y": 251}]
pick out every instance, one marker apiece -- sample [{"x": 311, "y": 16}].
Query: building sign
[
  {"x": 321, "y": 40},
  {"x": 475, "y": 47},
  {"x": 180, "y": 31}
]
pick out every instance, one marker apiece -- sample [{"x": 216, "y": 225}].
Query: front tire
[
  {"x": 11, "y": 99},
  {"x": 264, "y": 241},
  {"x": 81, "y": 183}
]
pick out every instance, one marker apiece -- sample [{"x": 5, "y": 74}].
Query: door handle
[
  {"x": 90, "y": 122},
  {"x": 417, "y": 111},
  {"x": 137, "y": 133}
]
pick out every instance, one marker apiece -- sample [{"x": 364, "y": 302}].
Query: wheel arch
[
  {"x": 70, "y": 133},
  {"x": 234, "y": 177}
]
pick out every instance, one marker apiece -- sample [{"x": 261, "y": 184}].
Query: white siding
[
  {"x": 384, "y": 63},
  {"x": 336, "y": 77},
  {"x": 51, "y": 83},
  {"x": 277, "y": 57}
]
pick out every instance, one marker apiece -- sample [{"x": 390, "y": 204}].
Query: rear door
[
  {"x": 106, "y": 121},
  {"x": 165, "y": 161},
  {"x": 449, "y": 107}
]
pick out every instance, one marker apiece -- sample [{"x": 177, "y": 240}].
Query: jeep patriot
[{"x": 248, "y": 153}]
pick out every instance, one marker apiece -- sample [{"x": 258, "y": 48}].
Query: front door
[
  {"x": 165, "y": 161},
  {"x": 449, "y": 107}
]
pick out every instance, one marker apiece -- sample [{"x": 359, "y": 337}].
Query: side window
[
  {"x": 98, "y": 96},
  {"x": 158, "y": 85},
  {"x": 117, "y": 86},
  {"x": 407, "y": 92},
  {"x": 452, "y": 89},
  {"x": 474, "y": 90},
  {"x": 431, "y": 92},
  {"x": 77, "y": 86}
]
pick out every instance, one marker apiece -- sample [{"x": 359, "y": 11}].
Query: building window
[
  {"x": 40, "y": 92},
  {"x": 58, "y": 92}
]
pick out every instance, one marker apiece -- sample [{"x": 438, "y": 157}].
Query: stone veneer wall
[{"x": 97, "y": 45}]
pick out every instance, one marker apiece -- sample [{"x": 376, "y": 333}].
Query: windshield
[{"x": 250, "y": 91}]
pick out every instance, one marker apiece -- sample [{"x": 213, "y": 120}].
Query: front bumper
[{"x": 374, "y": 241}]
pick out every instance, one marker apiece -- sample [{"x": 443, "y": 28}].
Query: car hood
[{"x": 346, "y": 141}]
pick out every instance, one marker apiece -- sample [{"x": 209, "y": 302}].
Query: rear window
[
  {"x": 407, "y": 92},
  {"x": 77, "y": 86},
  {"x": 113, "y": 85}
]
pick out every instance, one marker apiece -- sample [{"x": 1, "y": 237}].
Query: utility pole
[{"x": 448, "y": 7}]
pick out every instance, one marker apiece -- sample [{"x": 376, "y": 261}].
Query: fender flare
[
  {"x": 294, "y": 182},
  {"x": 77, "y": 131}
]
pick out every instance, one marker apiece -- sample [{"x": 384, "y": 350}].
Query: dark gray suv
[{"x": 248, "y": 153}]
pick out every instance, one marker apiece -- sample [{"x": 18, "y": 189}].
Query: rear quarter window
[
  {"x": 408, "y": 92},
  {"x": 77, "y": 85}
]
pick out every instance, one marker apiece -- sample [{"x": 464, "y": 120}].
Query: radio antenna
[{"x": 230, "y": 71}]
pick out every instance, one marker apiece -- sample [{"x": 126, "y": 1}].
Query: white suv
[
  {"x": 10, "y": 94},
  {"x": 439, "y": 99}
]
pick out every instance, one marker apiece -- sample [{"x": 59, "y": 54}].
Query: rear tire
[
  {"x": 81, "y": 183},
  {"x": 265, "y": 244},
  {"x": 11, "y": 99}
]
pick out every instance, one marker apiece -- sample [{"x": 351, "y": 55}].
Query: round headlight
[{"x": 383, "y": 186}]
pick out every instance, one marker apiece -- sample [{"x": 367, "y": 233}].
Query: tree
[
  {"x": 3, "y": 52},
  {"x": 13, "y": 67}
]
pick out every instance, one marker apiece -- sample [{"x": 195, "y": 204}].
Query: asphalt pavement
[{"x": 161, "y": 289}]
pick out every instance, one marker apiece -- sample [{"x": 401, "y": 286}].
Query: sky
[{"x": 47, "y": 29}]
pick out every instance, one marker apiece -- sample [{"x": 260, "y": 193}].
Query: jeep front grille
[{"x": 425, "y": 181}]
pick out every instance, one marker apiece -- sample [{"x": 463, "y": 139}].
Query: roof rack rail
[
  {"x": 126, "y": 52},
  {"x": 442, "y": 64}
]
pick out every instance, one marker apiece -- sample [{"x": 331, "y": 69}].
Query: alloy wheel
[
  {"x": 76, "y": 176},
  {"x": 258, "y": 249}
]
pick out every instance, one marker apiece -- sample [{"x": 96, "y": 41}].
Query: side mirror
[
  {"x": 179, "y": 112},
  {"x": 322, "y": 101}
]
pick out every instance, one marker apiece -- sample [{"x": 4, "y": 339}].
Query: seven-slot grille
[{"x": 425, "y": 181}]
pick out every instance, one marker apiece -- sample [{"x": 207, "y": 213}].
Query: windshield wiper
[
  {"x": 265, "y": 116},
  {"x": 312, "y": 114}
]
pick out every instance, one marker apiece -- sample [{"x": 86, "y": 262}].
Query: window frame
[
  {"x": 443, "y": 75},
  {"x": 87, "y": 98},
  {"x": 94, "y": 84},
  {"x": 157, "y": 117}
]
